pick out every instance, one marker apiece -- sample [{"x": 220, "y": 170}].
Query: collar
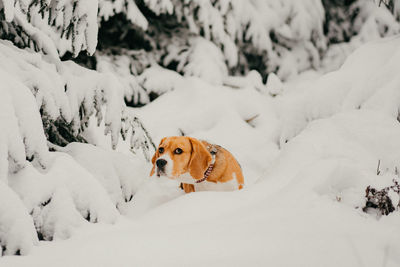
[{"x": 213, "y": 152}]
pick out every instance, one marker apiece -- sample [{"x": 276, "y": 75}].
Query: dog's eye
[
  {"x": 160, "y": 150},
  {"x": 178, "y": 151}
]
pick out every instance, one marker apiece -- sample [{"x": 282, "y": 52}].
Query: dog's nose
[{"x": 161, "y": 163}]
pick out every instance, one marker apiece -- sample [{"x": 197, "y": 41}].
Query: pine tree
[
  {"x": 46, "y": 24},
  {"x": 284, "y": 37},
  {"x": 46, "y": 103},
  {"x": 243, "y": 35},
  {"x": 55, "y": 27},
  {"x": 351, "y": 23},
  {"x": 145, "y": 47}
]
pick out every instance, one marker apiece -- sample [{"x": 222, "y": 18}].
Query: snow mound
[
  {"x": 366, "y": 80},
  {"x": 63, "y": 197},
  {"x": 153, "y": 192},
  {"x": 370, "y": 21},
  {"x": 159, "y": 80},
  {"x": 302, "y": 205},
  {"x": 338, "y": 156},
  {"x": 17, "y": 234},
  {"x": 204, "y": 60},
  {"x": 117, "y": 173},
  {"x": 56, "y": 191}
]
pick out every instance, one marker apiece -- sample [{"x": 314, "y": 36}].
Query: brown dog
[{"x": 198, "y": 165}]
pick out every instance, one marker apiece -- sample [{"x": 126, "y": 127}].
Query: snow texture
[
  {"x": 308, "y": 147},
  {"x": 365, "y": 81},
  {"x": 17, "y": 234},
  {"x": 60, "y": 199},
  {"x": 204, "y": 60},
  {"x": 167, "y": 80},
  {"x": 302, "y": 204},
  {"x": 133, "y": 14},
  {"x": 52, "y": 187},
  {"x": 74, "y": 93},
  {"x": 121, "y": 67},
  {"x": 55, "y": 26},
  {"x": 222, "y": 32},
  {"x": 370, "y": 23}
]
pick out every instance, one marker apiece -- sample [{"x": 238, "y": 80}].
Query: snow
[
  {"x": 121, "y": 66},
  {"x": 203, "y": 60},
  {"x": 10, "y": 139},
  {"x": 133, "y": 14},
  {"x": 115, "y": 171},
  {"x": 7, "y": 6},
  {"x": 61, "y": 90},
  {"x": 365, "y": 81},
  {"x": 86, "y": 11},
  {"x": 46, "y": 23},
  {"x": 274, "y": 85},
  {"x": 81, "y": 194},
  {"x": 308, "y": 148},
  {"x": 370, "y": 24},
  {"x": 160, "y": 7},
  {"x": 167, "y": 80},
  {"x": 302, "y": 205},
  {"x": 52, "y": 187},
  {"x": 284, "y": 37},
  {"x": 205, "y": 116},
  {"x": 230, "y": 30},
  {"x": 16, "y": 229}
]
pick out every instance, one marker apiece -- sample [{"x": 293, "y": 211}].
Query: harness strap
[{"x": 213, "y": 151}]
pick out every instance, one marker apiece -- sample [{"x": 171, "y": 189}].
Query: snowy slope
[{"x": 307, "y": 156}]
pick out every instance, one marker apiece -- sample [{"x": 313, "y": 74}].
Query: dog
[{"x": 197, "y": 165}]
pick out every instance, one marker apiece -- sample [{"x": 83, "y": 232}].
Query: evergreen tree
[
  {"x": 214, "y": 39},
  {"x": 145, "y": 46},
  {"x": 55, "y": 27},
  {"x": 46, "y": 25},
  {"x": 249, "y": 34}
]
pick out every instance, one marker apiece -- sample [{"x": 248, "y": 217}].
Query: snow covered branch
[
  {"x": 36, "y": 97},
  {"x": 63, "y": 25}
]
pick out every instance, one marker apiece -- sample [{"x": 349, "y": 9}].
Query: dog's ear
[
  {"x": 153, "y": 160},
  {"x": 199, "y": 160},
  {"x": 155, "y": 156}
]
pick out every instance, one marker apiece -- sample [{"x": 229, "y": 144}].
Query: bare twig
[
  {"x": 252, "y": 118},
  {"x": 377, "y": 168}
]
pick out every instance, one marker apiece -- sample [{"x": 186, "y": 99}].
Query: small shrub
[{"x": 381, "y": 200}]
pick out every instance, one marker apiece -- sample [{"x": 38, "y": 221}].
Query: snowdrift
[
  {"x": 56, "y": 191},
  {"x": 307, "y": 156}
]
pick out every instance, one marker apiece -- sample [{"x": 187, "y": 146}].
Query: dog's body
[{"x": 198, "y": 165}]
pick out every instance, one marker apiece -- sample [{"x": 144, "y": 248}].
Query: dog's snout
[{"x": 161, "y": 163}]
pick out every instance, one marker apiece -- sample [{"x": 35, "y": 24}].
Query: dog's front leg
[{"x": 188, "y": 188}]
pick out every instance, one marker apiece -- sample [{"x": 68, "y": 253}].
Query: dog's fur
[{"x": 191, "y": 164}]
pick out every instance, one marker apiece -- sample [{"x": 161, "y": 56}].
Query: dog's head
[{"x": 180, "y": 155}]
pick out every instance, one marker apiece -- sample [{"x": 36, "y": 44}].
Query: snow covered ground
[{"x": 308, "y": 155}]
